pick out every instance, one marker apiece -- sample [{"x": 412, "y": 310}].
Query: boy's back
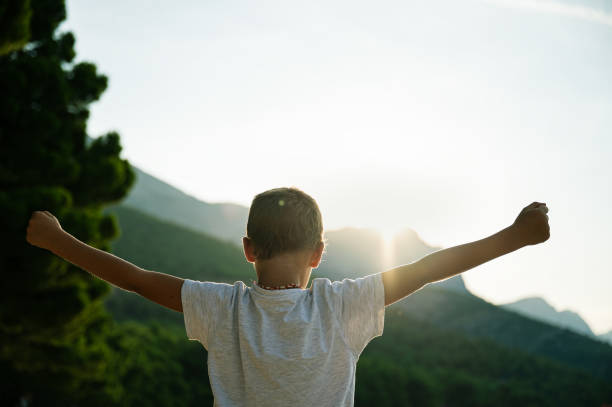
[{"x": 284, "y": 347}]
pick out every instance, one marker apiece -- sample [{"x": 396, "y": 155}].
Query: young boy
[{"x": 277, "y": 342}]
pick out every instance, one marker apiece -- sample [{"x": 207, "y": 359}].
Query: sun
[{"x": 387, "y": 249}]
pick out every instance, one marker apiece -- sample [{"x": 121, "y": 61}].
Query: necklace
[{"x": 281, "y": 287}]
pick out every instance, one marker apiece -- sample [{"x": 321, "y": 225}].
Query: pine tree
[
  {"x": 53, "y": 326},
  {"x": 14, "y": 24}
]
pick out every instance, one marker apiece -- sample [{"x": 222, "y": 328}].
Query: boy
[{"x": 278, "y": 343}]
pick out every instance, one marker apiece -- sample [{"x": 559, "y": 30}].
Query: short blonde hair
[{"x": 283, "y": 220}]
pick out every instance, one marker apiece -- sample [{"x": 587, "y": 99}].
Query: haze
[{"x": 447, "y": 117}]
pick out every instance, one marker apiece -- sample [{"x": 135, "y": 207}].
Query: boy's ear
[
  {"x": 249, "y": 249},
  {"x": 315, "y": 260}
]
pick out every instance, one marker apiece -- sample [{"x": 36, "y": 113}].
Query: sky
[{"x": 447, "y": 117}]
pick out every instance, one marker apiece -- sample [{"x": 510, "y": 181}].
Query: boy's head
[{"x": 284, "y": 220}]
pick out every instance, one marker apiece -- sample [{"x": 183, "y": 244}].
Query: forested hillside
[
  {"x": 474, "y": 317},
  {"x": 150, "y": 195},
  {"x": 162, "y": 246}
]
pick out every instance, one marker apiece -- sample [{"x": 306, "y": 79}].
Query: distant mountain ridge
[
  {"x": 351, "y": 252},
  {"x": 225, "y": 221},
  {"x": 354, "y": 252},
  {"x": 606, "y": 337},
  {"x": 538, "y": 308}
]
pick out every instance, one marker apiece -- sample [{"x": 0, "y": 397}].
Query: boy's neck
[{"x": 284, "y": 270}]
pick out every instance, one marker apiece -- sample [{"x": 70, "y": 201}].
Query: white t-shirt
[{"x": 284, "y": 347}]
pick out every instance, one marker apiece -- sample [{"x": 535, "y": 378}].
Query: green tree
[
  {"x": 53, "y": 326},
  {"x": 385, "y": 383},
  {"x": 14, "y": 24},
  {"x": 158, "y": 367}
]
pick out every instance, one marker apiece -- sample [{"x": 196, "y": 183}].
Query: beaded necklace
[{"x": 282, "y": 287}]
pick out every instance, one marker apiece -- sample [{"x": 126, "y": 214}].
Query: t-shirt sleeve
[
  {"x": 202, "y": 304},
  {"x": 362, "y": 305}
]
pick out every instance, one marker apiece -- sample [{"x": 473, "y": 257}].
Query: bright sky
[{"x": 447, "y": 117}]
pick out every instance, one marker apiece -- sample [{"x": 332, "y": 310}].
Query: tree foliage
[
  {"x": 158, "y": 368},
  {"x": 52, "y": 321},
  {"x": 14, "y": 24}
]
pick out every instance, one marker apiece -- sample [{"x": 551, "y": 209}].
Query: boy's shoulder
[
  {"x": 350, "y": 286},
  {"x": 348, "y": 281}
]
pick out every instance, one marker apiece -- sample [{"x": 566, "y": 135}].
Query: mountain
[
  {"x": 539, "y": 309},
  {"x": 477, "y": 318},
  {"x": 407, "y": 247},
  {"x": 163, "y": 246},
  {"x": 418, "y": 363},
  {"x": 351, "y": 252},
  {"x": 607, "y": 337},
  {"x": 226, "y": 221}
]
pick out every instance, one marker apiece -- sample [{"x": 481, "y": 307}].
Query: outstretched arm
[
  {"x": 530, "y": 227},
  {"x": 45, "y": 231}
]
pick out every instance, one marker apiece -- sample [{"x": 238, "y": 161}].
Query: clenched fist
[
  {"x": 43, "y": 229},
  {"x": 531, "y": 225}
]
